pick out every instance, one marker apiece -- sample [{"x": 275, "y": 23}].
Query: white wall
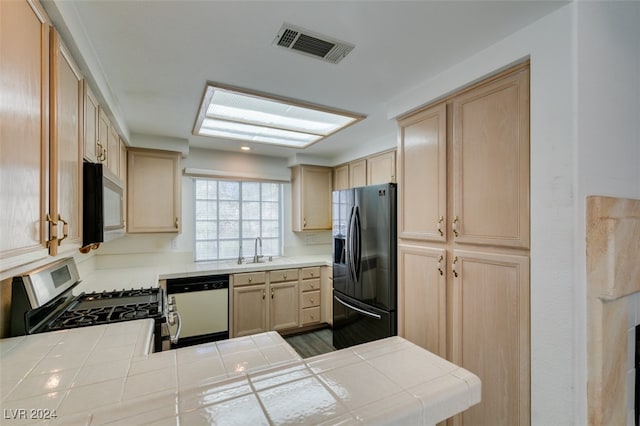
[
  {"x": 556, "y": 399},
  {"x": 170, "y": 248}
]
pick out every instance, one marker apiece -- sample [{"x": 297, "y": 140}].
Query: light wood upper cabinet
[
  {"x": 113, "y": 151},
  {"x": 91, "y": 117},
  {"x": 66, "y": 148},
  {"x": 422, "y": 186},
  {"x": 358, "y": 173},
  {"x": 311, "y": 188},
  {"x": 422, "y": 296},
  {"x": 491, "y": 163},
  {"x": 104, "y": 127},
  {"x": 24, "y": 131},
  {"x": 381, "y": 168},
  {"x": 373, "y": 170},
  {"x": 490, "y": 334},
  {"x": 341, "y": 177},
  {"x": 153, "y": 191}
]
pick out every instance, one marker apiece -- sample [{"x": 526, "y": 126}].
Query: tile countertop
[
  {"x": 148, "y": 276},
  {"x": 97, "y": 375}
]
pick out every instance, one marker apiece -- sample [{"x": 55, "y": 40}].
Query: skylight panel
[{"x": 237, "y": 114}]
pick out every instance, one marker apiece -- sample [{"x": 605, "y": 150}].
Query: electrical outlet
[
  {"x": 174, "y": 243},
  {"x": 310, "y": 239}
]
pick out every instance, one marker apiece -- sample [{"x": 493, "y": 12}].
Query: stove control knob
[
  {"x": 172, "y": 300},
  {"x": 172, "y": 308}
]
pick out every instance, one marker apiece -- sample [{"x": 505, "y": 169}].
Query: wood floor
[{"x": 312, "y": 343}]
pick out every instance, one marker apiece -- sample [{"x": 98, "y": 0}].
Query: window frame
[{"x": 242, "y": 239}]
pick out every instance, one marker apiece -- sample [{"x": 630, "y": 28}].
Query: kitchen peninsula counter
[{"x": 100, "y": 374}]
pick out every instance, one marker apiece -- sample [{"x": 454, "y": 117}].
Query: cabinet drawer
[
  {"x": 310, "y": 272},
  {"x": 283, "y": 275},
  {"x": 309, "y": 285},
  {"x": 310, "y": 299},
  {"x": 310, "y": 315},
  {"x": 249, "y": 278}
]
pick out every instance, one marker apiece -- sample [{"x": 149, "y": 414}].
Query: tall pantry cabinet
[{"x": 463, "y": 239}]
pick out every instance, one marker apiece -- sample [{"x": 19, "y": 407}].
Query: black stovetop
[{"x": 110, "y": 307}]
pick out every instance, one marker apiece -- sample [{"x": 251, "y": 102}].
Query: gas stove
[
  {"x": 42, "y": 301},
  {"x": 109, "y": 307}
]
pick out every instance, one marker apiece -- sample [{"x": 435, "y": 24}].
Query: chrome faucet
[
  {"x": 240, "y": 258},
  {"x": 256, "y": 257}
]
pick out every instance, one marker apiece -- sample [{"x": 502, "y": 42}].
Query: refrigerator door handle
[
  {"x": 362, "y": 311},
  {"x": 350, "y": 232},
  {"x": 358, "y": 244}
]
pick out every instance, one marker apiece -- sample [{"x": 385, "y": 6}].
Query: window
[{"x": 230, "y": 212}]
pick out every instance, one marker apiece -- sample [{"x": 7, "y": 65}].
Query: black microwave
[{"x": 103, "y": 206}]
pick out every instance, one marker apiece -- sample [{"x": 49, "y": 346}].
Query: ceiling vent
[{"x": 312, "y": 44}]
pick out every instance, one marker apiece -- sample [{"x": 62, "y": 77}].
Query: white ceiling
[{"x": 156, "y": 56}]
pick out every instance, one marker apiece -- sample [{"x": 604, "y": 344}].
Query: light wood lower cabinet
[
  {"x": 283, "y": 306},
  {"x": 490, "y": 334},
  {"x": 249, "y": 310},
  {"x": 310, "y": 296},
  {"x": 281, "y": 300},
  {"x": 422, "y": 296}
]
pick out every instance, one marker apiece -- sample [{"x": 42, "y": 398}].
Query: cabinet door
[
  {"x": 249, "y": 310},
  {"x": 312, "y": 198},
  {"x": 113, "y": 151},
  {"x": 24, "y": 136},
  {"x": 341, "y": 177},
  {"x": 153, "y": 191},
  {"x": 381, "y": 168},
  {"x": 103, "y": 136},
  {"x": 357, "y": 173},
  {"x": 66, "y": 147},
  {"x": 283, "y": 307},
  {"x": 91, "y": 114},
  {"x": 490, "y": 334},
  {"x": 491, "y": 163},
  {"x": 422, "y": 187},
  {"x": 422, "y": 297}
]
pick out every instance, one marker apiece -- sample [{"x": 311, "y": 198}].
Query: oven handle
[
  {"x": 174, "y": 338},
  {"x": 363, "y": 312}
]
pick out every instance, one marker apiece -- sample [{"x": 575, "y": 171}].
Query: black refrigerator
[{"x": 364, "y": 264}]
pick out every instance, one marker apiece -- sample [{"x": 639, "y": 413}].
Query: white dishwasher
[{"x": 203, "y": 305}]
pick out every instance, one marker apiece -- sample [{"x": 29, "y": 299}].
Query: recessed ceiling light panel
[{"x": 233, "y": 113}]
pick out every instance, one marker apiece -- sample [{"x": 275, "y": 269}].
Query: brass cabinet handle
[
  {"x": 272, "y": 293},
  {"x": 440, "y": 222},
  {"x": 101, "y": 152},
  {"x": 250, "y": 279},
  {"x": 177, "y": 223},
  {"x": 264, "y": 294},
  {"x": 304, "y": 223},
  {"x": 440, "y": 265},
  {"x": 453, "y": 267},
  {"x": 54, "y": 235},
  {"x": 454, "y": 226},
  {"x": 65, "y": 229},
  {"x": 285, "y": 276}
]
